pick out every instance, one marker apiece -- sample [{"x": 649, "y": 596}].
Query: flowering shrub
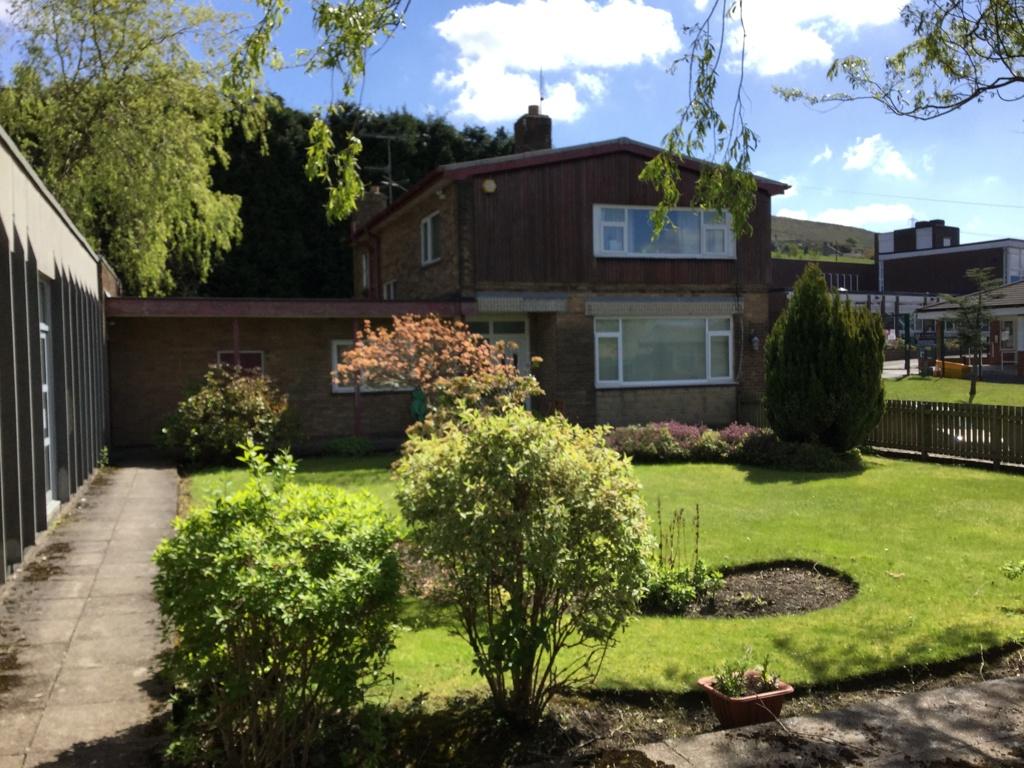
[
  {"x": 672, "y": 441},
  {"x": 442, "y": 358}
]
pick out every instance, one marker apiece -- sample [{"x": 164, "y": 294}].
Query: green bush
[
  {"x": 540, "y": 533},
  {"x": 823, "y": 368},
  {"x": 350, "y": 445},
  {"x": 766, "y": 450},
  {"x": 231, "y": 406},
  {"x": 280, "y": 602},
  {"x": 675, "y": 586}
]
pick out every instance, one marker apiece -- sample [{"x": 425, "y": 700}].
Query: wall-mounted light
[
  {"x": 489, "y": 186},
  {"x": 755, "y": 342}
]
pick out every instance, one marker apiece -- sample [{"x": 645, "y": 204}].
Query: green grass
[
  {"x": 924, "y": 542},
  {"x": 822, "y": 258},
  {"x": 939, "y": 390}
]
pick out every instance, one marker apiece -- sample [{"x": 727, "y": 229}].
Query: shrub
[
  {"x": 281, "y": 601},
  {"x": 540, "y": 533},
  {"x": 645, "y": 442},
  {"x": 672, "y": 441},
  {"x": 764, "y": 449},
  {"x": 674, "y": 586},
  {"x": 740, "y": 677},
  {"x": 350, "y": 445},
  {"x": 823, "y": 368},
  {"x": 231, "y": 406}
]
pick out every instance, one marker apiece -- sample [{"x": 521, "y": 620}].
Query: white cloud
[
  {"x": 5, "y": 11},
  {"x": 876, "y": 216},
  {"x": 504, "y": 45},
  {"x": 825, "y": 155},
  {"x": 780, "y": 36},
  {"x": 877, "y": 154}
]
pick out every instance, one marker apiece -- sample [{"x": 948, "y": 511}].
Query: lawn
[
  {"x": 938, "y": 390},
  {"x": 924, "y": 542}
]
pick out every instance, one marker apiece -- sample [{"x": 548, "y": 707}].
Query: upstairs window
[
  {"x": 691, "y": 233},
  {"x": 1014, "y": 265},
  {"x": 430, "y": 239},
  {"x": 390, "y": 290}
]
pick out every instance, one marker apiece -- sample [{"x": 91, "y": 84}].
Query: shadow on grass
[{"x": 766, "y": 475}]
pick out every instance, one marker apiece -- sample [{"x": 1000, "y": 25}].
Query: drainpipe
[{"x": 357, "y": 422}]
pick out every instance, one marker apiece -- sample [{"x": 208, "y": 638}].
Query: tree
[
  {"x": 963, "y": 51},
  {"x": 286, "y": 248},
  {"x": 823, "y": 367},
  {"x": 540, "y": 532},
  {"x": 123, "y": 125},
  {"x": 973, "y": 318},
  {"x": 440, "y": 357}
]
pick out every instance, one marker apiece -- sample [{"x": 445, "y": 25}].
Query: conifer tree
[{"x": 823, "y": 368}]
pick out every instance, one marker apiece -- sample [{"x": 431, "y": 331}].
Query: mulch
[{"x": 771, "y": 589}]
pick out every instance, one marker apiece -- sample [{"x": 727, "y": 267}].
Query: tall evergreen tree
[
  {"x": 823, "y": 367},
  {"x": 288, "y": 246}
]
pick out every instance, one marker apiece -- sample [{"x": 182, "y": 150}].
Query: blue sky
[
  {"x": 605, "y": 65},
  {"x": 605, "y": 68}
]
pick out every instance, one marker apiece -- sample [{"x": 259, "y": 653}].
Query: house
[
  {"x": 553, "y": 248},
  {"x": 53, "y": 404}
]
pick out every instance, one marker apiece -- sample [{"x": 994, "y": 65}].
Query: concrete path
[
  {"x": 972, "y": 725},
  {"x": 79, "y": 632}
]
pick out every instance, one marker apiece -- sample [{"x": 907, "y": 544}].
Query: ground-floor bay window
[{"x": 662, "y": 351}]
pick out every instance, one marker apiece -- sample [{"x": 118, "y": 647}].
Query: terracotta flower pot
[{"x": 756, "y": 708}]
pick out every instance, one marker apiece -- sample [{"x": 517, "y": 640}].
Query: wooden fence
[
  {"x": 992, "y": 433},
  {"x": 987, "y": 432}
]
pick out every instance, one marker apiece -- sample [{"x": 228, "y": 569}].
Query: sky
[{"x": 607, "y": 73}]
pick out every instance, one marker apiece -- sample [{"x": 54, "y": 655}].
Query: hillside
[{"x": 819, "y": 237}]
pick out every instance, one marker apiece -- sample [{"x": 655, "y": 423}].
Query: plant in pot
[{"x": 742, "y": 694}]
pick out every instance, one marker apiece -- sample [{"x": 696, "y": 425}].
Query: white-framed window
[
  {"x": 662, "y": 351},
  {"x": 248, "y": 359},
  {"x": 365, "y": 270},
  {"x": 390, "y": 289},
  {"x": 625, "y": 231},
  {"x": 430, "y": 239},
  {"x": 338, "y": 348}
]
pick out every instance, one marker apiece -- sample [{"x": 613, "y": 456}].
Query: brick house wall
[
  {"x": 395, "y": 252},
  {"x": 155, "y": 362}
]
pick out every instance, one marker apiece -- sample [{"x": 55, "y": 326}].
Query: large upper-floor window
[
  {"x": 1014, "y": 265},
  {"x": 691, "y": 233},
  {"x": 662, "y": 351},
  {"x": 430, "y": 239}
]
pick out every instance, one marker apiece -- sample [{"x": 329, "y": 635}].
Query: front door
[{"x": 511, "y": 329}]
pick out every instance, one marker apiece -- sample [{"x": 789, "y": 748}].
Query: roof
[
  {"x": 984, "y": 245},
  {"x": 1004, "y": 300},
  {"x": 520, "y": 160},
  {"x": 286, "y": 308}
]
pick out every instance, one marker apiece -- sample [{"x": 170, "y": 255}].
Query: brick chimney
[
  {"x": 532, "y": 131},
  {"x": 373, "y": 202}
]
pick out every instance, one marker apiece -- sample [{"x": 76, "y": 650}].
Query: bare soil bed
[{"x": 768, "y": 589}]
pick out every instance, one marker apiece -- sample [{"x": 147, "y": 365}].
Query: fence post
[
  {"x": 996, "y": 434},
  {"x": 926, "y": 437}
]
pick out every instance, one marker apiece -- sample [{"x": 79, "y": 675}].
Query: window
[
  {"x": 365, "y": 276},
  {"x": 1014, "y": 265},
  {"x": 248, "y": 360},
  {"x": 923, "y": 237},
  {"x": 430, "y": 239},
  {"x": 886, "y": 242},
  {"x": 390, "y": 289},
  {"x": 661, "y": 351},
  {"x": 691, "y": 233},
  {"x": 338, "y": 348}
]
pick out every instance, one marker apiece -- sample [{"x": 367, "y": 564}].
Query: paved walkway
[
  {"x": 971, "y": 725},
  {"x": 79, "y": 632}
]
